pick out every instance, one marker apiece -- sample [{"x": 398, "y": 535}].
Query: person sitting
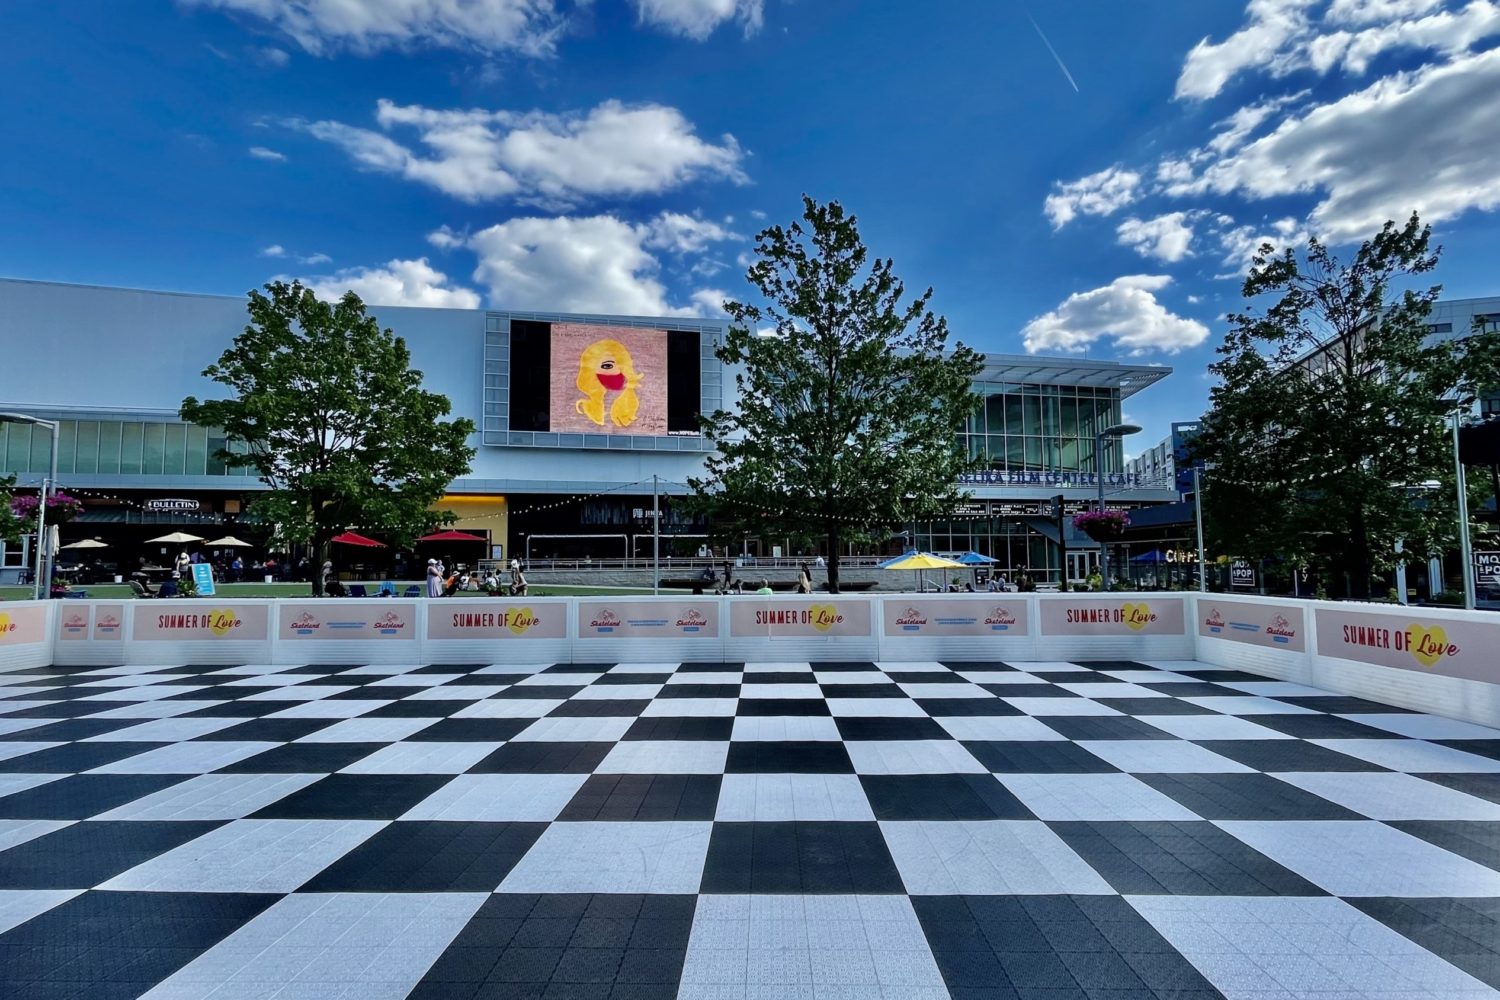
[
  {"x": 518, "y": 584},
  {"x": 491, "y": 582},
  {"x": 335, "y": 588},
  {"x": 168, "y": 587},
  {"x": 450, "y": 585},
  {"x": 764, "y": 588}
]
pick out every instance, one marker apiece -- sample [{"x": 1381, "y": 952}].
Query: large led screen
[{"x": 582, "y": 378}]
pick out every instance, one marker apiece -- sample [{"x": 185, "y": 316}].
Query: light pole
[
  {"x": 1464, "y": 553},
  {"x": 43, "y": 564},
  {"x": 1198, "y": 516},
  {"x": 1114, "y": 431}
]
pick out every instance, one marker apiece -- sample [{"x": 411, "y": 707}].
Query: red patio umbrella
[
  {"x": 451, "y": 536},
  {"x": 351, "y": 538}
]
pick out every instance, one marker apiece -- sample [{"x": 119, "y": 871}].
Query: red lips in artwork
[{"x": 614, "y": 382}]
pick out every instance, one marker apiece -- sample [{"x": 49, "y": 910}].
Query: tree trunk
[
  {"x": 1360, "y": 586},
  {"x": 833, "y": 560},
  {"x": 321, "y": 548}
]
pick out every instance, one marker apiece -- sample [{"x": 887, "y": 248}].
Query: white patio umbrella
[
  {"x": 176, "y": 538},
  {"x": 229, "y": 541},
  {"x": 87, "y": 543}
]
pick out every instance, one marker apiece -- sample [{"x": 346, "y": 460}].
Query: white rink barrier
[{"x": 1441, "y": 661}]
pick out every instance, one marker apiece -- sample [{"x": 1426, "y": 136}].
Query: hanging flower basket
[
  {"x": 1108, "y": 526},
  {"x": 61, "y": 508}
]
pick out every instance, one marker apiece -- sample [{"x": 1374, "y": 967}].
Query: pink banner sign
[
  {"x": 785, "y": 619},
  {"x": 484, "y": 619},
  {"x": 198, "y": 620},
  {"x": 345, "y": 620},
  {"x": 1411, "y": 641},
  {"x": 73, "y": 622},
  {"x": 919, "y": 615},
  {"x": 20, "y": 626},
  {"x": 675, "y": 619},
  {"x": 1274, "y": 626},
  {"x": 109, "y": 622},
  {"x": 1113, "y": 616}
]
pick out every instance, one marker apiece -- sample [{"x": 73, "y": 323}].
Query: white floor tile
[
  {"x": 665, "y": 757},
  {"x": 987, "y": 857},
  {"x": 1425, "y": 727},
  {"x": 379, "y": 730},
  {"x": 912, "y": 757},
  {"x": 1414, "y": 756},
  {"x": 1365, "y": 858},
  {"x": 787, "y": 797},
  {"x": 19, "y": 905},
  {"x": 19, "y": 831},
  {"x": 1212, "y": 727},
  {"x": 1093, "y": 797},
  {"x": 167, "y": 730},
  {"x": 574, "y": 730},
  {"x": 300, "y": 692},
  {"x": 421, "y": 757},
  {"x": 618, "y": 692},
  {"x": 1109, "y": 689},
  {"x": 1162, "y": 757},
  {"x": 852, "y": 677},
  {"x": 1043, "y": 707},
  {"x": 249, "y": 855},
  {"x": 530, "y": 798},
  {"x": 779, "y": 667},
  {"x": 949, "y": 690},
  {"x": 875, "y": 708},
  {"x": 784, "y": 728},
  {"x": 508, "y": 708},
  {"x": 331, "y": 709},
  {"x": 213, "y": 796},
  {"x": 683, "y": 708},
  {"x": 796, "y": 691},
  {"x": 1394, "y": 796},
  {"x": 457, "y": 692},
  {"x": 1247, "y": 705},
  {"x": 200, "y": 757},
  {"x": 662, "y": 857},
  {"x": 998, "y": 728}
]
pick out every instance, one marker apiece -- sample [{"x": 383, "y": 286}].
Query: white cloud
[
  {"x": 685, "y": 233},
  {"x": 697, "y": 19},
  {"x": 324, "y": 27},
  {"x": 274, "y": 250},
  {"x": 1125, "y": 311},
  {"x": 538, "y": 158},
  {"x": 578, "y": 264},
  {"x": 1421, "y": 141},
  {"x": 270, "y": 55},
  {"x": 1097, "y": 194},
  {"x": 1280, "y": 37},
  {"x": 262, "y": 153},
  {"x": 313, "y": 259},
  {"x": 710, "y": 301},
  {"x": 395, "y": 283},
  {"x": 1166, "y": 238},
  {"x": 1240, "y": 243}
]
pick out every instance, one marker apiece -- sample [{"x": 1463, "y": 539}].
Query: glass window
[
  {"x": 1049, "y": 415},
  {"x": 197, "y": 450},
  {"x": 1013, "y": 416},
  {"x": 1070, "y": 455},
  {"x": 996, "y": 448},
  {"x": 1031, "y": 410},
  {"x": 17, "y": 447},
  {"x": 130, "y": 449},
  {"x": 174, "y": 461},
  {"x": 41, "y": 449},
  {"x": 86, "y": 455},
  {"x": 216, "y": 465},
  {"x": 155, "y": 446},
  {"x": 994, "y": 409},
  {"x": 1015, "y": 452},
  {"x": 109, "y": 447},
  {"x": 1069, "y": 417},
  {"x": 1034, "y": 453},
  {"x": 67, "y": 443}
]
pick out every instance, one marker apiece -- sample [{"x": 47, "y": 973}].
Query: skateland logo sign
[
  {"x": 389, "y": 623},
  {"x": 692, "y": 620},
  {"x": 660, "y": 619},
  {"x": 605, "y": 621},
  {"x": 952, "y": 616},
  {"x": 305, "y": 624},
  {"x": 1255, "y": 624}
]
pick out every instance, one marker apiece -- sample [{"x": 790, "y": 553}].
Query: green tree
[
  {"x": 1328, "y": 422},
  {"x": 11, "y": 526},
  {"x": 336, "y": 420},
  {"x": 850, "y": 403}
]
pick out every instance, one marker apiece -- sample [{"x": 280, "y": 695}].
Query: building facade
[{"x": 585, "y": 423}]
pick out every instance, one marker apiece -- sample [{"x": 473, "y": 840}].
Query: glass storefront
[
  {"x": 123, "y": 447},
  {"x": 1036, "y": 428}
]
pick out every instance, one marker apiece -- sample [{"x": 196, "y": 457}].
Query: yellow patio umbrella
[{"x": 919, "y": 561}]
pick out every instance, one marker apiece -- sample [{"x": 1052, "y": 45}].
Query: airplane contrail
[{"x": 1060, "y": 64}]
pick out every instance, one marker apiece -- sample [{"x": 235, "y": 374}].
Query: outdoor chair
[
  {"x": 357, "y": 590},
  {"x": 139, "y": 589},
  {"x": 76, "y": 595},
  {"x": 412, "y": 591},
  {"x": 387, "y": 589}
]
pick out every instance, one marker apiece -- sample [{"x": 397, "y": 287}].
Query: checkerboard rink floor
[{"x": 838, "y": 831}]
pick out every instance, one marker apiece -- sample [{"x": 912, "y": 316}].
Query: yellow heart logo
[
  {"x": 222, "y": 621},
  {"x": 518, "y": 620},
  {"x": 5, "y": 626},
  {"x": 1135, "y": 616},
  {"x": 823, "y": 616},
  {"x": 1426, "y": 645}
]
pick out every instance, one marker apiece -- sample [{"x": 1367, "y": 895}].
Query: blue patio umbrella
[
  {"x": 1154, "y": 556},
  {"x": 976, "y": 559}
]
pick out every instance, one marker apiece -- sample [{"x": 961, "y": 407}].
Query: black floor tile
[
  {"x": 238, "y": 709},
  {"x": 1486, "y": 786},
  {"x": 1223, "y": 676},
  {"x": 709, "y": 667},
  {"x": 892, "y": 728},
  {"x": 674, "y": 727},
  {"x": 1104, "y": 727},
  {"x": 68, "y": 729},
  {"x": 766, "y": 757},
  {"x": 67, "y": 709},
  {"x": 558, "y": 692},
  {"x": 1037, "y": 756},
  {"x": 1482, "y": 748},
  {"x": 1465, "y": 932},
  {"x": 1321, "y": 727},
  {"x": 355, "y": 796},
  {"x": 600, "y": 708},
  {"x": 925, "y": 677},
  {"x": 74, "y": 758},
  {"x": 1335, "y": 704},
  {"x": 1029, "y": 691},
  {"x": 430, "y": 857},
  {"x": 269, "y": 730},
  {"x": 471, "y": 731},
  {"x": 781, "y": 706},
  {"x": 952, "y": 708},
  {"x": 1476, "y": 840},
  {"x": 798, "y": 857},
  {"x": 1155, "y": 706},
  {"x": 418, "y": 709},
  {"x": 1179, "y": 859},
  {"x": 843, "y": 666},
  {"x": 83, "y": 855},
  {"x": 645, "y": 797},
  {"x": 1286, "y": 755},
  {"x": 755, "y": 678},
  {"x": 146, "y": 936},
  {"x": 861, "y": 691},
  {"x": 544, "y": 758},
  {"x": 674, "y": 691},
  {"x": 1245, "y": 796},
  {"x": 80, "y": 796},
  {"x": 303, "y": 758},
  {"x": 611, "y": 679},
  {"x": 941, "y": 796},
  {"x": 1191, "y": 689}
]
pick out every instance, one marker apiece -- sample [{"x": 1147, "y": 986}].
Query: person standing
[
  {"x": 804, "y": 579},
  {"x": 237, "y": 568},
  {"x": 434, "y": 579},
  {"x": 184, "y": 565}
]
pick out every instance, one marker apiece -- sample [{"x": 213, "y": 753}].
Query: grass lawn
[{"x": 301, "y": 590}]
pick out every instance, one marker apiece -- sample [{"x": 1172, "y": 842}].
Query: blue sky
[{"x": 620, "y": 154}]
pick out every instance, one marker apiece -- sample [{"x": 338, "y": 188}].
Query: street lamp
[
  {"x": 48, "y": 484},
  {"x": 1115, "y": 431}
]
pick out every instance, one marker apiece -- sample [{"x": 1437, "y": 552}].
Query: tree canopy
[
  {"x": 336, "y": 420},
  {"x": 1328, "y": 429},
  {"x": 850, "y": 402}
]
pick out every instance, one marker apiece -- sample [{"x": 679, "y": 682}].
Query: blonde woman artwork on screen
[{"x": 605, "y": 369}]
